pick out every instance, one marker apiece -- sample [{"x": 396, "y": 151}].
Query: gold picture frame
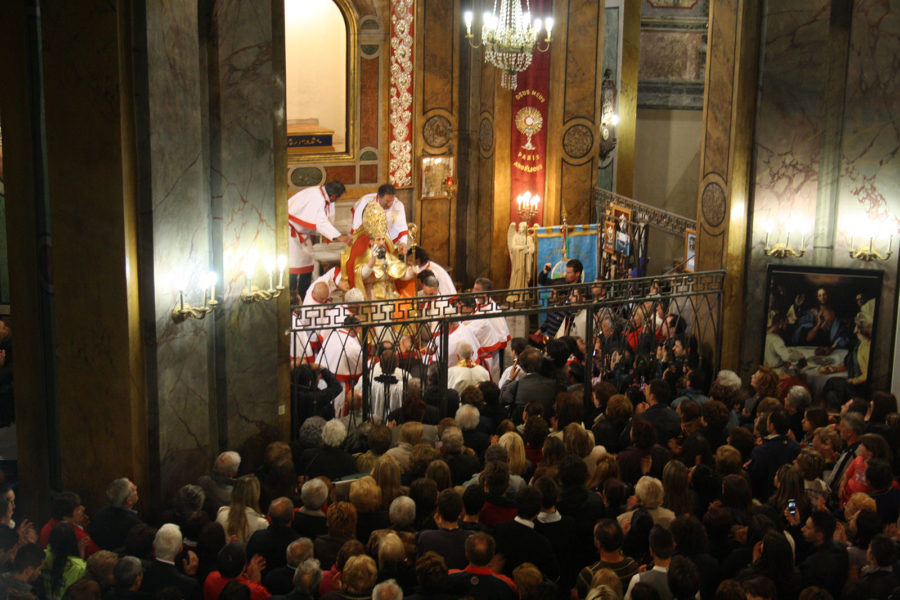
[
  {"x": 690, "y": 249},
  {"x": 437, "y": 173}
]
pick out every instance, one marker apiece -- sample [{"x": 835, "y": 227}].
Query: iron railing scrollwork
[{"x": 627, "y": 324}]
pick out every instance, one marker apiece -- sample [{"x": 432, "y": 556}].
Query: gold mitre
[{"x": 374, "y": 221}]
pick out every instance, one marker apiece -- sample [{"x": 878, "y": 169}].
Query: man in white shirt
[
  {"x": 514, "y": 372},
  {"x": 394, "y": 210},
  {"x": 493, "y": 352},
  {"x": 333, "y": 280},
  {"x": 311, "y": 211},
  {"x": 466, "y": 372},
  {"x": 458, "y": 334},
  {"x": 342, "y": 354},
  {"x": 488, "y": 337},
  {"x": 318, "y": 316},
  {"x": 418, "y": 258}
]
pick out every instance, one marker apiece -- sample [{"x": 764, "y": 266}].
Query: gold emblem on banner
[{"x": 529, "y": 121}]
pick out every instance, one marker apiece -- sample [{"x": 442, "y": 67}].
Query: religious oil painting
[
  {"x": 609, "y": 236},
  {"x": 622, "y": 218},
  {"x": 819, "y": 328}
]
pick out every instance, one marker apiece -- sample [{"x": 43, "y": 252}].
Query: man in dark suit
[
  {"x": 777, "y": 449},
  {"x": 281, "y": 580},
  {"x": 272, "y": 542},
  {"x": 309, "y": 519},
  {"x": 582, "y": 505},
  {"x": 307, "y": 579},
  {"x": 657, "y": 411},
  {"x": 518, "y": 542},
  {"x": 162, "y": 572},
  {"x": 850, "y": 428},
  {"x": 112, "y": 523},
  {"x": 129, "y": 576},
  {"x": 534, "y": 386},
  {"x": 827, "y": 563},
  {"x": 448, "y": 540},
  {"x": 462, "y": 464}
]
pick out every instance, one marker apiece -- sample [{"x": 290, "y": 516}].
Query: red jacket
[
  {"x": 80, "y": 534},
  {"x": 215, "y": 583}
]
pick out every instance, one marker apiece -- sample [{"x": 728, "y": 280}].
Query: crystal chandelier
[{"x": 509, "y": 37}]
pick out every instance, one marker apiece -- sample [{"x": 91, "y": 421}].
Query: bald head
[
  {"x": 320, "y": 292},
  {"x": 464, "y": 351},
  {"x": 281, "y": 511}
]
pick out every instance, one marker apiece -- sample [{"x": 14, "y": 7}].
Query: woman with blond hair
[
  {"x": 365, "y": 495},
  {"x": 515, "y": 448},
  {"x": 387, "y": 473},
  {"x": 579, "y": 442},
  {"x": 241, "y": 519}
]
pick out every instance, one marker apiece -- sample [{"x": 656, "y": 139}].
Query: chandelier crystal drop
[{"x": 509, "y": 37}]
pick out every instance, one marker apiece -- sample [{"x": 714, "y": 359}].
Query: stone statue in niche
[{"x": 521, "y": 254}]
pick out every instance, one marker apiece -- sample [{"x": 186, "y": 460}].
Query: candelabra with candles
[
  {"x": 252, "y": 293},
  {"x": 867, "y": 252},
  {"x": 527, "y": 205},
  {"x": 184, "y": 311},
  {"x": 784, "y": 249}
]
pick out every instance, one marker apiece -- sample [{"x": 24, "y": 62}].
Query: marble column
[
  {"x": 246, "y": 120},
  {"x": 787, "y": 141},
  {"x": 176, "y": 225},
  {"x": 870, "y": 177}
]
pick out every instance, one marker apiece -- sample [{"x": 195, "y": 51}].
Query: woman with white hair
[
  {"x": 330, "y": 459},
  {"x": 648, "y": 494}
]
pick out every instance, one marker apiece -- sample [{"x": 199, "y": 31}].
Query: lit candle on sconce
[
  {"x": 269, "y": 265},
  {"x": 282, "y": 265},
  {"x": 209, "y": 286},
  {"x": 249, "y": 267},
  {"x": 184, "y": 310}
]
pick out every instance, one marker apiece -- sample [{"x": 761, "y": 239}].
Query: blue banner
[
  {"x": 582, "y": 244},
  {"x": 582, "y": 241}
]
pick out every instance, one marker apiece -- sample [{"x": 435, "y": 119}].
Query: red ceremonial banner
[{"x": 529, "y": 124}]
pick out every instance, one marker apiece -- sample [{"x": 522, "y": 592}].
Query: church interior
[{"x": 146, "y": 144}]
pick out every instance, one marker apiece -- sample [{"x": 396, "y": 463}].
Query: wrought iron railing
[
  {"x": 641, "y": 213},
  {"x": 628, "y": 329}
]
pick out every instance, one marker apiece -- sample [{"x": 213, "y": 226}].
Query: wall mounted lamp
[
  {"x": 609, "y": 118},
  {"x": 184, "y": 311},
  {"x": 252, "y": 293},
  {"x": 867, "y": 251},
  {"x": 784, "y": 249}
]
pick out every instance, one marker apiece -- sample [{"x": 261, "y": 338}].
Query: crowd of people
[{"x": 666, "y": 489}]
